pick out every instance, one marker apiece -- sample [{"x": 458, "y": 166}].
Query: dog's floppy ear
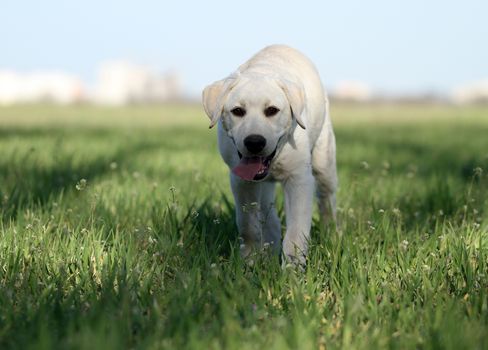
[
  {"x": 295, "y": 95},
  {"x": 214, "y": 96}
]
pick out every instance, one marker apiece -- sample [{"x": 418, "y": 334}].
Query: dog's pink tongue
[{"x": 248, "y": 168}]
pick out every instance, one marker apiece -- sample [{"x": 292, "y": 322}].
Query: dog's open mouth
[{"x": 253, "y": 168}]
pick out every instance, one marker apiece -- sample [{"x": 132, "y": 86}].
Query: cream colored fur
[{"x": 302, "y": 135}]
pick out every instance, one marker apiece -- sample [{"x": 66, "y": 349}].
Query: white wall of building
[
  {"x": 118, "y": 83},
  {"x": 471, "y": 93},
  {"x": 121, "y": 83},
  {"x": 55, "y": 87},
  {"x": 352, "y": 90}
]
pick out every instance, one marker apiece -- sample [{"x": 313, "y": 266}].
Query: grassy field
[{"x": 117, "y": 231}]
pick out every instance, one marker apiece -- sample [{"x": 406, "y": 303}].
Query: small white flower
[
  {"x": 404, "y": 245},
  {"x": 81, "y": 185},
  {"x": 365, "y": 165},
  {"x": 350, "y": 212},
  {"x": 478, "y": 171}
]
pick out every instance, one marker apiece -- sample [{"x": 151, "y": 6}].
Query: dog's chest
[{"x": 277, "y": 170}]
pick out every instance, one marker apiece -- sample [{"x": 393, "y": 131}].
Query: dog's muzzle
[{"x": 253, "y": 168}]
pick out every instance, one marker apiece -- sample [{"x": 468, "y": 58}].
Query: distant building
[
  {"x": 475, "y": 92},
  {"x": 44, "y": 86},
  {"x": 355, "y": 91},
  {"x": 121, "y": 83},
  {"x": 118, "y": 83}
]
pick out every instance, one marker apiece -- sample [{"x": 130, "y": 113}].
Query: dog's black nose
[{"x": 255, "y": 143}]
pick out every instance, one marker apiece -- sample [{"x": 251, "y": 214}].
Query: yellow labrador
[{"x": 274, "y": 125}]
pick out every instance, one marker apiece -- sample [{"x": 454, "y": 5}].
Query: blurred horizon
[{"x": 363, "y": 51}]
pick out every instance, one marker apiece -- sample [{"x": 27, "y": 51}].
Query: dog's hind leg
[{"x": 325, "y": 172}]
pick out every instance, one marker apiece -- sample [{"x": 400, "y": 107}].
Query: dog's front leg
[
  {"x": 299, "y": 191},
  {"x": 247, "y": 196}
]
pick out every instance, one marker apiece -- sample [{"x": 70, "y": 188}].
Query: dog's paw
[{"x": 296, "y": 263}]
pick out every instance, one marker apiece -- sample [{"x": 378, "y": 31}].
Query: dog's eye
[
  {"x": 271, "y": 111},
  {"x": 238, "y": 112}
]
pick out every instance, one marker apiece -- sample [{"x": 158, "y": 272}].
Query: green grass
[{"x": 117, "y": 231}]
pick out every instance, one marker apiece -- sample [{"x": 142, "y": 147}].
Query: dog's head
[{"x": 257, "y": 112}]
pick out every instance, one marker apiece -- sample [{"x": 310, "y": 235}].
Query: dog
[{"x": 274, "y": 126}]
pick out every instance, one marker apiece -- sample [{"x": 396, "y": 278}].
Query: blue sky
[{"x": 395, "y": 46}]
